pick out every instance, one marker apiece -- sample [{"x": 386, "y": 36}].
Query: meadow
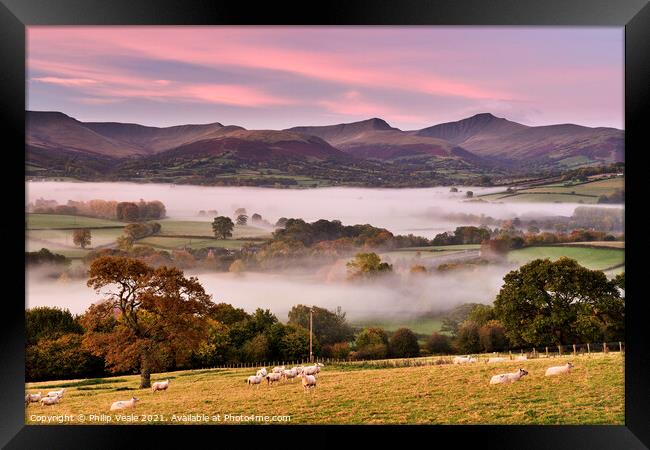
[
  {"x": 592, "y": 258},
  {"x": 593, "y": 393}
]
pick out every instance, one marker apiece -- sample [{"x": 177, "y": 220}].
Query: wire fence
[{"x": 437, "y": 359}]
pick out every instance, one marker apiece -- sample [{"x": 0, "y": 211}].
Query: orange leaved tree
[{"x": 148, "y": 318}]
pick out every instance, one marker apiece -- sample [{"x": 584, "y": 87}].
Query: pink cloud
[
  {"x": 65, "y": 81},
  {"x": 352, "y": 103}
]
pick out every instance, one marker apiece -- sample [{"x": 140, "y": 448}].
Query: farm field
[
  {"x": 593, "y": 393},
  {"x": 48, "y": 221},
  {"x": 583, "y": 192},
  {"x": 592, "y": 258},
  {"x": 195, "y": 243},
  {"x": 424, "y": 326},
  {"x": 204, "y": 228},
  {"x": 597, "y": 244}
]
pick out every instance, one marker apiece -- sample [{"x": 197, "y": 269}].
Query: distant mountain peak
[{"x": 376, "y": 124}]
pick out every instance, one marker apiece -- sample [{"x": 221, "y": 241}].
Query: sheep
[
  {"x": 289, "y": 374},
  {"x": 160, "y": 386},
  {"x": 262, "y": 372},
  {"x": 308, "y": 381},
  {"x": 463, "y": 360},
  {"x": 50, "y": 400},
  {"x": 558, "y": 370},
  {"x": 298, "y": 369},
  {"x": 277, "y": 369},
  {"x": 124, "y": 404},
  {"x": 521, "y": 358},
  {"x": 58, "y": 393},
  {"x": 508, "y": 377},
  {"x": 33, "y": 398},
  {"x": 273, "y": 377},
  {"x": 254, "y": 379},
  {"x": 311, "y": 370},
  {"x": 494, "y": 360}
]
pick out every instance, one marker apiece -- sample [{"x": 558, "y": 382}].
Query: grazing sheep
[
  {"x": 311, "y": 370},
  {"x": 277, "y": 369},
  {"x": 273, "y": 377},
  {"x": 58, "y": 393},
  {"x": 508, "y": 377},
  {"x": 33, "y": 398},
  {"x": 308, "y": 381},
  {"x": 262, "y": 372},
  {"x": 521, "y": 358},
  {"x": 298, "y": 369},
  {"x": 254, "y": 379},
  {"x": 495, "y": 360},
  {"x": 558, "y": 370},
  {"x": 124, "y": 404},
  {"x": 160, "y": 386},
  {"x": 289, "y": 374},
  {"x": 463, "y": 360},
  {"x": 50, "y": 400}
]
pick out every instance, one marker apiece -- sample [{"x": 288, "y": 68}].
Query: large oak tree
[{"x": 149, "y": 319}]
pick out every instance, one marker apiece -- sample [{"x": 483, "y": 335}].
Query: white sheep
[
  {"x": 273, "y": 377},
  {"x": 124, "y": 404},
  {"x": 160, "y": 386},
  {"x": 497, "y": 359},
  {"x": 58, "y": 393},
  {"x": 521, "y": 358},
  {"x": 50, "y": 400},
  {"x": 508, "y": 377},
  {"x": 33, "y": 398},
  {"x": 298, "y": 369},
  {"x": 558, "y": 370},
  {"x": 311, "y": 370},
  {"x": 254, "y": 379},
  {"x": 289, "y": 374},
  {"x": 308, "y": 381},
  {"x": 262, "y": 372},
  {"x": 463, "y": 360},
  {"x": 277, "y": 369}
]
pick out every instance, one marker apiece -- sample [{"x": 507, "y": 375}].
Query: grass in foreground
[{"x": 444, "y": 394}]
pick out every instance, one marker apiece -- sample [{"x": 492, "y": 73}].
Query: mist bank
[
  {"x": 400, "y": 296},
  {"x": 423, "y": 211}
]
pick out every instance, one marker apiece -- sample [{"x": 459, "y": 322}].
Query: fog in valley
[{"x": 401, "y": 295}]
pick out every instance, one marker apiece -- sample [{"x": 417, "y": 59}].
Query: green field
[
  {"x": 43, "y": 221},
  {"x": 563, "y": 193},
  {"x": 197, "y": 228},
  {"x": 592, "y": 258},
  {"x": 424, "y": 326},
  {"x": 195, "y": 243},
  {"x": 593, "y": 393},
  {"x": 429, "y": 252}
]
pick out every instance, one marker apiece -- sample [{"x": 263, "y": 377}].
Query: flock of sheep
[
  {"x": 308, "y": 376},
  {"x": 307, "y": 373},
  {"x": 511, "y": 377}
]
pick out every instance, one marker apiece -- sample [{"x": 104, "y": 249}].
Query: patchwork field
[
  {"x": 49, "y": 221},
  {"x": 592, "y": 258},
  {"x": 168, "y": 243},
  {"x": 593, "y": 393},
  {"x": 563, "y": 193},
  {"x": 171, "y": 227}
]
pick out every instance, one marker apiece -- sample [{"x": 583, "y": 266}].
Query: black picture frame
[{"x": 634, "y": 15}]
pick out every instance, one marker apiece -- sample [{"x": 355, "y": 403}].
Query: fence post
[
  {"x": 574, "y": 350},
  {"x": 620, "y": 347},
  {"x": 547, "y": 352},
  {"x": 510, "y": 354},
  {"x": 588, "y": 349},
  {"x": 605, "y": 347},
  {"x": 559, "y": 348}
]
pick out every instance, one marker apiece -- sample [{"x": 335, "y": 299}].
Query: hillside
[
  {"x": 593, "y": 393},
  {"x": 489, "y": 136}
]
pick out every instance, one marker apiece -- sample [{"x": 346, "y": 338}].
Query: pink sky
[{"x": 278, "y": 77}]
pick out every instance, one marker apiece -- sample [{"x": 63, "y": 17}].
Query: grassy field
[
  {"x": 597, "y": 244},
  {"x": 574, "y": 193},
  {"x": 593, "y": 393},
  {"x": 195, "y": 243},
  {"x": 592, "y": 258},
  {"x": 424, "y": 326},
  {"x": 198, "y": 228},
  {"x": 43, "y": 221}
]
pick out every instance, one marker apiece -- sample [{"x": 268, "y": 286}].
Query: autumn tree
[
  {"x": 81, "y": 237},
  {"x": 149, "y": 319},
  {"x": 559, "y": 302},
  {"x": 365, "y": 265},
  {"x": 404, "y": 344},
  {"x": 222, "y": 227}
]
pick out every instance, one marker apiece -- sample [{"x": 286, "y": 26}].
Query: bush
[
  {"x": 61, "y": 358},
  {"x": 404, "y": 344},
  {"x": 438, "y": 344}
]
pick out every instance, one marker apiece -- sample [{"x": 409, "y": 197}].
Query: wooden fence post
[
  {"x": 588, "y": 349},
  {"x": 559, "y": 349},
  {"x": 605, "y": 347},
  {"x": 574, "y": 350},
  {"x": 547, "y": 352},
  {"x": 620, "y": 347},
  {"x": 510, "y": 354}
]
